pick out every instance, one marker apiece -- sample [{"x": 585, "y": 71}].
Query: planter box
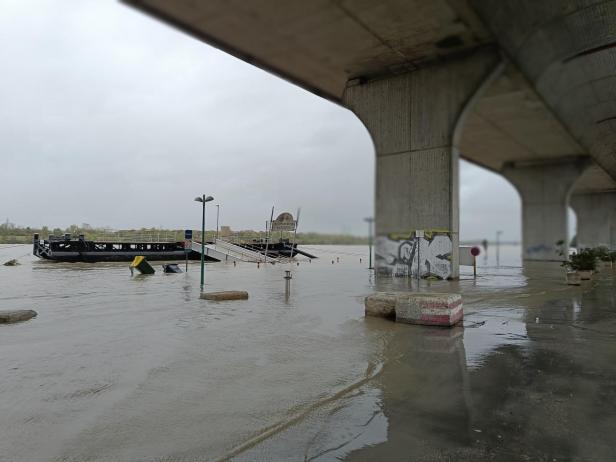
[
  {"x": 585, "y": 275},
  {"x": 604, "y": 266},
  {"x": 574, "y": 279}
]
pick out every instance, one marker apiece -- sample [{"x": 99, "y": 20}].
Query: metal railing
[
  {"x": 138, "y": 237},
  {"x": 238, "y": 250}
]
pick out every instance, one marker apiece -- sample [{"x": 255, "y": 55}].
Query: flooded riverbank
[{"x": 116, "y": 368}]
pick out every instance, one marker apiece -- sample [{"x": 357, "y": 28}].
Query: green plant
[
  {"x": 583, "y": 260},
  {"x": 602, "y": 253}
]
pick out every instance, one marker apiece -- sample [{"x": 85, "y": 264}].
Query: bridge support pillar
[
  {"x": 544, "y": 189},
  {"x": 414, "y": 119},
  {"x": 596, "y": 219}
]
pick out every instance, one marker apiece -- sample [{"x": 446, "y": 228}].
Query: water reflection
[{"x": 142, "y": 369}]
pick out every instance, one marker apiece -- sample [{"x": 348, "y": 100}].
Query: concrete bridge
[{"x": 522, "y": 87}]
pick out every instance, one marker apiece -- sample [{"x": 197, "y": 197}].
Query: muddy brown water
[{"x": 121, "y": 368}]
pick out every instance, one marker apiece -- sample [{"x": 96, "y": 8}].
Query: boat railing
[{"x": 137, "y": 237}]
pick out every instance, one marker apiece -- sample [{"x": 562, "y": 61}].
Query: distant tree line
[{"x": 11, "y": 234}]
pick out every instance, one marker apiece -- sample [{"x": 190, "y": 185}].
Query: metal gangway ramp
[{"x": 226, "y": 251}]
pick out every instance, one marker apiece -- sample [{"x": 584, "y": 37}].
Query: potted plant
[
  {"x": 583, "y": 262},
  {"x": 604, "y": 258},
  {"x": 572, "y": 275}
]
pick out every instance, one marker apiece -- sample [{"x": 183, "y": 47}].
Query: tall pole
[
  {"x": 498, "y": 233},
  {"x": 270, "y": 232},
  {"x": 203, "y": 244},
  {"x": 295, "y": 232},
  {"x": 370, "y": 220},
  {"x": 217, "y": 215}
]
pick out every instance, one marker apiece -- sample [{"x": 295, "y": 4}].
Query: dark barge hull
[
  {"x": 80, "y": 250},
  {"x": 282, "y": 248},
  {"x": 93, "y": 257}
]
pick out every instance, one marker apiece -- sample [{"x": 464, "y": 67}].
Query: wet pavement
[{"x": 116, "y": 368}]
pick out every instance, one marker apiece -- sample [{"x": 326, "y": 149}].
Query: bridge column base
[
  {"x": 596, "y": 219},
  {"x": 414, "y": 119},
  {"x": 544, "y": 189}
]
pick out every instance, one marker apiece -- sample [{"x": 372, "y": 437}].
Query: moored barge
[{"x": 70, "y": 249}]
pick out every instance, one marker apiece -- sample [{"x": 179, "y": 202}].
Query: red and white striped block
[{"x": 429, "y": 309}]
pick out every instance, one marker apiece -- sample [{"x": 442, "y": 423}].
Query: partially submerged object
[
  {"x": 11, "y": 316},
  {"x": 429, "y": 309},
  {"x": 141, "y": 265},
  {"x": 171, "y": 268},
  {"x": 225, "y": 295},
  {"x": 12, "y": 262}
]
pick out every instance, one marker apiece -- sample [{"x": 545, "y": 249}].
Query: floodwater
[{"x": 121, "y": 368}]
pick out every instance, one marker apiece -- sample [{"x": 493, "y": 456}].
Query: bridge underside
[{"x": 549, "y": 107}]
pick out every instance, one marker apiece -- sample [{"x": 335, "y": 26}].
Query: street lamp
[
  {"x": 203, "y": 199},
  {"x": 369, "y": 220},
  {"x": 217, "y": 215}
]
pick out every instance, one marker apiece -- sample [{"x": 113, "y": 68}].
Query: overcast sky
[{"x": 111, "y": 118}]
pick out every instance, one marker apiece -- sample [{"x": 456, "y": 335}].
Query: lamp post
[
  {"x": 217, "y": 215},
  {"x": 203, "y": 199},
  {"x": 369, "y": 220}
]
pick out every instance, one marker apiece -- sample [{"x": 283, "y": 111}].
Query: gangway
[{"x": 226, "y": 251}]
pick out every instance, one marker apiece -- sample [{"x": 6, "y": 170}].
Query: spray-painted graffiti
[{"x": 405, "y": 255}]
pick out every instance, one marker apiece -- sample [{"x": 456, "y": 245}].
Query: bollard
[
  {"x": 332, "y": 262},
  {"x": 337, "y": 259},
  {"x": 287, "y": 284}
]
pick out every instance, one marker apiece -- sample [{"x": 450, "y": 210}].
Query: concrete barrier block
[
  {"x": 429, "y": 308},
  {"x": 416, "y": 308},
  {"x": 382, "y": 305},
  {"x": 226, "y": 295},
  {"x": 11, "y": 316}
]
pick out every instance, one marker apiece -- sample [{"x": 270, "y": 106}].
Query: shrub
[
  {"x": 602, "y": 253},
  {"x": 583, "y": 260}
]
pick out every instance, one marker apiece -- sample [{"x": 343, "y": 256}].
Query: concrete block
[
  {"x": 225, "y": 295},
  {"x": 416, "y": 308},
  {"x": 429, "y": 309},
  {"x": 382, "y": 305},
  {"x": 11, "y": 316}
]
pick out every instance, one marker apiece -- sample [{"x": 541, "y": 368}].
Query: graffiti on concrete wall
[{"x": 405, "y": 255}]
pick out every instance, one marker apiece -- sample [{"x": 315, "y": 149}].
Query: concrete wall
[{"x": 412, "y": 119}]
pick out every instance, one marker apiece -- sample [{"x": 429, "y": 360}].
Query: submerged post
[{"x": 287, "y": 287}]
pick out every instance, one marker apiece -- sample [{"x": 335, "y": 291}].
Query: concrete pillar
[
  {"x": 414, "y": 120},
  {"x": 596, "y": 219},
  {"x": 544, "y": 189}
]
